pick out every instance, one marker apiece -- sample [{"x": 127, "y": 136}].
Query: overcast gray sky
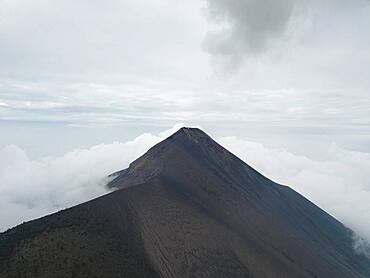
[
  {"x": 292, "y": 75},
  {"x": 299, "y": 67}
]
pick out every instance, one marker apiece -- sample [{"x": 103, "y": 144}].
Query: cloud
[
  {"x": 33, "y": 188},
  {"x": 65, "y": 41},
  {"x": 83, "y": 72},
  {"x": 290, "y": 39},
  {"x": 247, "y": 26},
  {"x": 361, "y": 246},
  {"x": 337, "y": 181}
]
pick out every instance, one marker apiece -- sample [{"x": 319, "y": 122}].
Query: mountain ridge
[
  {"x": 186, "y": 208},
  {"x": 193, "y": 140}
]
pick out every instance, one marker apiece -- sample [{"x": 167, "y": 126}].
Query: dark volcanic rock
[{"x": 187, "y": 208}]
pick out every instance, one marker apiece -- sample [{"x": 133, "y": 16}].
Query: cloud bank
[
  {"x": 33, "y": 188},
  {"x": 337, "y": 182}
]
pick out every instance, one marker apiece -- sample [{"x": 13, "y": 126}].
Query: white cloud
[
  {"x": 361, "y": 246},
  {"x": 64, "y": 40},
  {"x": 32, "y": 188},
  {"x": 338, "y": 182}
]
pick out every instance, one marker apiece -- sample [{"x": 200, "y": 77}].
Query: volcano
[{"x": 186, "y": 208}]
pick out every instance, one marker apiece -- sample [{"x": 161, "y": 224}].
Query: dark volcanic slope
[{"x": 187, "y": 208}]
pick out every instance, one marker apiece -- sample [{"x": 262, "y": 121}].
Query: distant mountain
[{"x": 187, "y": 208}]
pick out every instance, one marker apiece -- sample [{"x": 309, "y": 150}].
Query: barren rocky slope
[{"x": 187, "y": 208}]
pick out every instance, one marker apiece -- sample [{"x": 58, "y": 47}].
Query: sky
[{"x": 287, "y": 77}]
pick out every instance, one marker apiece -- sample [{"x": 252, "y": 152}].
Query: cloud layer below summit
[{"x": 30, "y": 188}]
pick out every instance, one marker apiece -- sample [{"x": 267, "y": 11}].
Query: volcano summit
[{"x": 186, "y": 208}]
